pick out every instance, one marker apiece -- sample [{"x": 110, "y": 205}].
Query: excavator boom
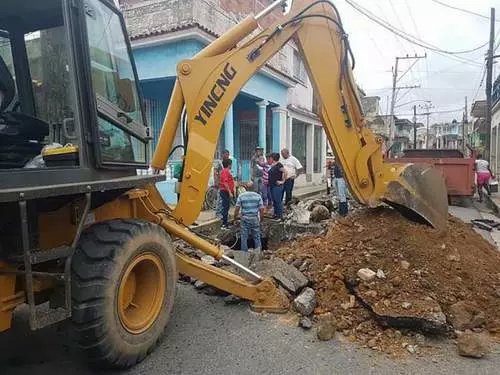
[{"x": 207, "y": 85}]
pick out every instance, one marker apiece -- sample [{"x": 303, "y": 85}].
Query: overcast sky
[{"x": 443, "y": 80}]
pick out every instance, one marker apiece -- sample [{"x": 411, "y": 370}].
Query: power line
[
  {"x": 400, "y": 23},
  {"x": 433, "y": 112},
  {"x": 483, "y": 73},
  {"x": 408, "y": 37},
  {"x": 462, "y": 10},
  {"x": 407, "y": 70}
]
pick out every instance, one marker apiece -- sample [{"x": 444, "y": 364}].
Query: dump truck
[{"x": 82, "y": 231}]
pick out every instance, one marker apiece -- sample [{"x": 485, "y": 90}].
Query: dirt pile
[{"x": 420, "y": 272}]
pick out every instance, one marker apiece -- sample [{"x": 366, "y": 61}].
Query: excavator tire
[{"x": 123, "y": 287}]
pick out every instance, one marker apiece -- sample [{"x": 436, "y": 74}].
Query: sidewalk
[{"x": 303, "y": 192}]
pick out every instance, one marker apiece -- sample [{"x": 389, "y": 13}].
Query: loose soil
[{"x": 444, "y": 268}]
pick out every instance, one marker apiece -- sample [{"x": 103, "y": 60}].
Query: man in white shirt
[{"x": 293, "y": 169}]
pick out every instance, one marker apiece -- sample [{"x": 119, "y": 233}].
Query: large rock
[
  {"x": 305, "y": 302},
  {"x": 328, "y": 203},
  {"x": 473, "y": 345},
  {"x": 287, "y": 275},
  {"x": 305, "y": 322},
  {"x": 326, "y": 329},
  {"x": 465, "y": 315},
  {"x": 366, "y": 274},
  {"x": 320, "y": 213}
]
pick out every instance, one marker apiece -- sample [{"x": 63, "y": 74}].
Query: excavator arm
[{"x": 207, "y": 85}]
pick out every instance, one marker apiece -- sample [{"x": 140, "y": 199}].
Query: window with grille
[{"x": 299, "y": 71}]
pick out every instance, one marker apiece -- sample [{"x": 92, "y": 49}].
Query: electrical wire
[
  {"x": 433, "y": 112},
  {"x": 407, "y": 70},
  {"x": 463, "y": 10},
  {"x": 400, "y": 24},
  {"x": 483, "y": 72},
  {"x": 408, "y": 37}
]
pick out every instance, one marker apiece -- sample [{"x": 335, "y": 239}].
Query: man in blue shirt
[{"x": 251, "y": 207}]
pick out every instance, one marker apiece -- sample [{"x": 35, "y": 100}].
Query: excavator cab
[
  {"x": 70, "y": 108},
  {"x": 71, "y": 119}
]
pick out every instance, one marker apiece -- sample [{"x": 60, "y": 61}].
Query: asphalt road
[{"x": 205, "y": 336}]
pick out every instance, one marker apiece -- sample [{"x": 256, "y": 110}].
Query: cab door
[{"x": 120, "y": 134}]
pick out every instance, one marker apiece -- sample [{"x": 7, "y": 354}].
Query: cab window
[{"x": 122, "y": 134}]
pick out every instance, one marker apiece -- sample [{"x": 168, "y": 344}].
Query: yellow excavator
[{"x": 82, "y": 231}]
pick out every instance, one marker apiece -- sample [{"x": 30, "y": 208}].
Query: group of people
[{"x": 272, "y": 179}]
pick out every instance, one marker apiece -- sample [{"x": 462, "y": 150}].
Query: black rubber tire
[{"x": 102, "y": 255}]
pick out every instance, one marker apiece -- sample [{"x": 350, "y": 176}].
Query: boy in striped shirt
[{"x": 251, "y": 207}]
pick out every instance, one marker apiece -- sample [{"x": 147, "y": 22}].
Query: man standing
[
  {"x": 341, "y": 189},
  {"x": 219, "y": 167},
  {"x": 257, "y": 164},
  {"x": 293, "y": 169},
  {"x": 217, "y": 171},
  {"x": 251, "y": 207},
  {"x": 226, "y": 190}
]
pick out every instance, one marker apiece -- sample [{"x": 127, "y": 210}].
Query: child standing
[{"x": 226, "y": 189}]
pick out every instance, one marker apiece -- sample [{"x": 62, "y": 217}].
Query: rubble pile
[{"x": 382, "y": 280}]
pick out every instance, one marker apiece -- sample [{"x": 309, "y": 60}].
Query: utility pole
[
  {"x": 489, "y": 79},
  {"x": 414, "y": 127},
  {"x": 464, "y": 124},
  {"x": 427, "y": 106},
  {"x": 395, "y": 90}
]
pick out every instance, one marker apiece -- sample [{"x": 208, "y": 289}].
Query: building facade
[
  {"x": 495, "y": 128},
  {"x": 274, "y": 110},
  {"x": 447, "y": 135}
]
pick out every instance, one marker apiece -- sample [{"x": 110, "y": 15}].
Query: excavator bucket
[{"x": 419, "y": 193}]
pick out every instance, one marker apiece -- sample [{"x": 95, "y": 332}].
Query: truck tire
[{"x": 123, "y": 287}]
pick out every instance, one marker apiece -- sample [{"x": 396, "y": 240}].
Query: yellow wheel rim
[{"x": 141, "y": 293}]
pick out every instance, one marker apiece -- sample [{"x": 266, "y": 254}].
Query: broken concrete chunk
[
  {"x": 305, "y": 302},
  {"x": 200, "y": 285},
  {"x": 366, "y": 274},
  {"x": 350, "y": 304},
  {"x": 405, "y": 265},
  {"x": 320, "y": 213},
  {"x": 305, "y": 322},
  {"x": 208, "y": 259},
  {"x": 412, "y": 349},
  {"x": 406, "y": 305},
  {"x": 232, "y": 299},
  {"x": 287, "y": 275},
  {"x": 474, "y": 345}
]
